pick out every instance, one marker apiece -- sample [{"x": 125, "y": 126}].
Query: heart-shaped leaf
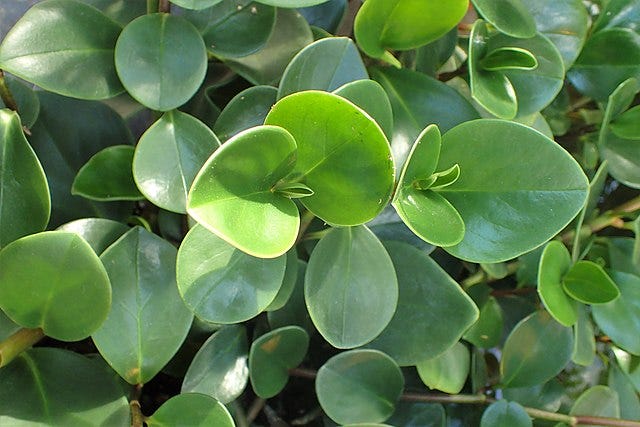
[
  {"x": 241, "y": 176},
  {"x": 447, "y": 372},
  {"x": 343, "y": 156},
  {"x": 108, "y": 176},
  {"x": 554, "y": 264},
  {"x": 246, "y": 110},
  {"x": 350, "y": 287},
  {"x": 25, "y": 203},
  {"x": 161, "y": 60},
  {"x": 168, "y": 157},
  {"x": 359, "y": 386},
  {"x": 222, "y": 284},
  {"x": 192, "y": 409},
  {"x": 503, "y": 413},
  {"x": 272, "y": 355},
  {"x": 587, "y": 282},
  {"x": 73, "y": 53},
  {"x": 509, "y": 16},
  {"x": 68, "y": 287},
  {"x": 510, "y": 202}
]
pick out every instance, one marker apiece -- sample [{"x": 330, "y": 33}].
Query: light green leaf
[
  {"x": 350, "y": 288},
  {"x": 25, "y": 203},
  {"x": 99, "y": 233},
  {"x": 536, "y": 350},
  {"x": 587, "y": 282},
  {"x": 432, "y": 311},
  {"x": 598, "y": 401},
  {"x": 359, "y": 386},
  {"x": 138, "y": 338},
  {"x": 507, "y": 58},
  {"x": 503, "y": 413},
  {"x": 487, "y": 331},
  {"x": 67, "y": 286},
  {"x": 554, "y": 264},
  {"x": 191, "y": 409},
  {"x": 325, "y": 65},
  {"x": 343, "y": 156},
  {"x": 222, "y": 284},
  {"x": 168, "y": 157},
  {"x": 508, "y": 16},
  {"x": 514, "y": 202},
  {"x": 246, "y": 110},
  {"x": 219, "y": 368},
  {"x": 242, "y": 176},
  {"x": 620, "y": 319},
  {"x": 272, "y": 355},
  {"x": 195, "y": 4},
  {"x": 59, "y": 388},
  {"x": 161, "y": 60},
  {"x": 108, "y": 176},
  {"x": 371, "y": 97},
  {"x": 447, "y": 372},
  {"x": 584, "y": 343},
  {"x": 73, "y": 53}
]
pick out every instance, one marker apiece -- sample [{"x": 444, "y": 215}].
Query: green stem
[
  {"x": 152, "y": 6},
  {"x": 6, "y": 95},
  {"x": 17, "y": 343},
  {"x": 317, "y": 235}
]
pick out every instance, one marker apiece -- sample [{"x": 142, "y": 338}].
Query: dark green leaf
[
  {"x": 25, "y": 203},
  {"x": 359, "y": 386},
  {"x": 429, "y": 59},
  {"x": 121, "y": 11},
  {"x": 26, "y": 99},
  {"x": 288, "y": 283},
  {"x": 587, "y": 282},
  {"x": 99, "y": 233},
  {"x": 161, "y": 60},
  {"x": 487, "y": 331},
  {"x": 503, "y": 413},
  {"x": 195, "y": 4},
  {"x": 67, "y": 286},
  {"x": 619, "y": 14},
  {"x": 418, "y": 414},
  {"x": 193, "y": 410},
  {"x": 447, "y": 372},
  {"x": 222, "y": 284},
  {"x": 168, "y": 157},
  {"x": 554, "y": 264},
  {"x": 584, "y": 343},
  {"x": 272, "y": 355},
  {"x": 599, "y": 401},
  {"x": 620, "y": 382},
  {"x": 327, "y": 15},
  {"x": 508, "y": 16},
  {"x": 547, "y": 397},
  {"x": 371, "y": 97},
  {"x": 246, "y": 110},
  {"x": 294, "y": 312},
  {"x": 138, "y": 338},
  {"x": 627, "y": 124},
  {"x": 73, "y": 53},
  {"x": 351, "y": 288}
]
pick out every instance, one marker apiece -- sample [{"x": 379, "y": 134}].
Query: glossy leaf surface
[
  {"x": 371, "y": 97},
  {"x": 272, "y": 355},
  {"x": 618, "y": 14},
  {"x": 138, "y": 339},
  {"x": 25, "y": 203},
  {"x": 343, "y": 156},
  {"x": 241, "y": 176},
  {"x": 537, "y": 349},
  {"x": 168, "y": 157},
  {"x": 508, "y": 16},
  {"x": 222, "y": 284},
  {"x": 487, "y": 330},
  {"x": 161, "y": 60},
  {"x": 502, "y": 197},
  {"x": 246, "y": 110},
  {"x": 587, "y": 282},
  {"x": 219, "y": 369},
  {"x": 108, "y": 176},
  {"x": 507, "y": 58},
  {"x": 447, "y": 372},
  {"x": 350, "y": 288},
  {"x": 56, "y": 387},
  {"x": 503, "y": 413},
  {"x": 359, "y": 386},
  {"x": 25, "y": 98},
  {"x": 325, "y": 65},
  {"x": 432, "y": 311},
  {"x": 68, "y": 287},
  {"x": 192, "y": 409},
  {"x": 99, "y": 233},
  {"x": 72, "y": 54},
  {"x": 327, "y": 15},
  {"x": 554, "y": 264}
]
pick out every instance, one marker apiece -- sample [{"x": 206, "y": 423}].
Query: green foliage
[{"x": 318, "y": 212}]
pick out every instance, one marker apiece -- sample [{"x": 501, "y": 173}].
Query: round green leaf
[
  {"x": 620, "y": 319},
  {"x": 503, "y": 413},
  {"x": 195, "y": 4},
  {"x": 325, "y": 65},
  {"x": 598, "y": 401},
  {"x": 99, "y": 233},
  {"x": 25, "y": 203},
  {"x": 554, "y": 264},
  {"x": 222, "y": 284},
  {"x": 517, "y": 188},
  {"x": 73, "y": 53},
  {"x": 288, "y": 283},
  {"x": 138, "y": 338},
  {"x": 246, "y": 110},
  {"x": 487, "y": 331},
  {"x": 67, "y": 286},
  {"x": 272, "y": 355},
  {"x": 508, "y": 16},
  {"x": 108, "y": 176},
  {"x": 350, "y": 287},
  {"x": 59, "y": 388},
  {"x": 161, "y": 60},
  {"x": 587, "y": 282},
  {"x": 292, "y": 3},
  {"x": 26, "y": 99},
  {"x": 219, "y": 369},
  {"x": 241, "y": 176},
  {"x": 168, "y": 157},
  {"x": 359, "y": 386},
  {"x": 432, "y": 311},
  {"x": 343, "y": 156},
  {"x": 191, "y": 409},
  {"x": 327, "y": 15},
  {"x": 447, "y": 372},
  {"x": 403, "y": 25},
  {"x": 233, "y": 29},
  {"x": 536, "y": 350}
]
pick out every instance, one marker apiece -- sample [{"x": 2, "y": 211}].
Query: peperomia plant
[{"x": 320, "y": 212}]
